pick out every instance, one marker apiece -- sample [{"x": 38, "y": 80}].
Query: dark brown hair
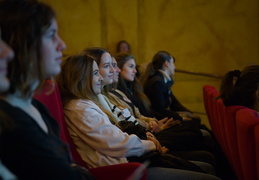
[
  {"x": 239, "y": 87},
  {"x": 75, "y": 79},
  {"x": 121, "y": 59},
  {"x": 157, "y": 63},
  {"x": 23, "y": 22}
]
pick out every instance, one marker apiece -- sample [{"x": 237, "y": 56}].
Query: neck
[{"x": 17, "y": 100}]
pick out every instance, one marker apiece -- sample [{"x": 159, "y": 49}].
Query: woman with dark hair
[
  {"x": 157, "y": 82},
  {"x": 31, "y": 148},
  {"x": 241, "y": 87}
]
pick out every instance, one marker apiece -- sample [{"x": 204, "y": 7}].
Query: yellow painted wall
[{"x": 210, "y": 36}]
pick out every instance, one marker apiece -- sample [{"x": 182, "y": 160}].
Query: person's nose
[
  {"x": 61, "y": 45},
  {"x": 111, "y": 69},
  {"x": 6, "y": 52},
  {"x": 100, "y": 77}
]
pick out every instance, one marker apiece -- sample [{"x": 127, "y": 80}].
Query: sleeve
[{"x": 97, "y": 131}]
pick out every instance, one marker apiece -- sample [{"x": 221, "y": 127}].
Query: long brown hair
[
  {"x": 22, "y": 28},
  {"x": 121, "y": 59},
  {"x": 96, "y": 53},
  {"x": 75, "y": 78},
  {"x": 75, "y": 81}
]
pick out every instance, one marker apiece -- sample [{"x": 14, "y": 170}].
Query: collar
[{"x": 165, "y": 75}]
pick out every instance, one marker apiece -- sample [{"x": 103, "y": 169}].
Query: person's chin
[{"x": 53, "y": 73}]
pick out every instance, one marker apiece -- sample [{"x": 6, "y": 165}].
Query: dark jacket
[{"x": 161, "y": 97}]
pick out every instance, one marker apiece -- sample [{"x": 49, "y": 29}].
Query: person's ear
[{"x": 166, "y": 64}]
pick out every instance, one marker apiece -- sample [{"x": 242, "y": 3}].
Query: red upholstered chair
[
  {"x": 210, "y": 102},
  {"x": 231, "y": 135},
  {"x": 256, "y": 135},
  {"x": 208, "y": 92},
  {"x": 221, "y": 117},
  {"x": 53, "y": 103},
  {"x": 246, "y": 120}
]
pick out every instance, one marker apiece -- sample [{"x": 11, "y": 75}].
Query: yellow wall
[{"x": 211, "y": 36}]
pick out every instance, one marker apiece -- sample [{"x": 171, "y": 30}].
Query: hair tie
[{"x": 236, "y": 73}]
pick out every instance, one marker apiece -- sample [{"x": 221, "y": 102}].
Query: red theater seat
[
  {"x": 54, "y": 104},
  {"x": 231, "y": 135},
  {"x": 246, "y": 120},
  {"x": 256, "y": 135}
]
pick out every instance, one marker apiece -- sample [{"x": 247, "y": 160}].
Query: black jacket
[{"x": 161, "y": 97}]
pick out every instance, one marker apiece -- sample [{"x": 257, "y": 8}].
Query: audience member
[
  {"x": 157, "y": 82},
  {"x": 31, "y": 147},
  {"x": 123, "y": 46},
  {"x": 6, "y": 54},
  {"x": 241, "y": 87}
]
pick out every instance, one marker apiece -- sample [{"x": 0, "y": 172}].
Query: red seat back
[
  {"x": 208, "y": 94},
  {"x": 246, "y": 120},
  {"x": 53, "y": 102},
  {"x": 231, "y": 135},
  {"x": 256, "y": 135}
]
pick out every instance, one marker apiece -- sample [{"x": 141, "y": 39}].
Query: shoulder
[
  {"x": 86, "y": 112},
  {"x": 156, "y": 80},
  {"x": 80, "y": 103},
  {"x": 87, "y": 107}
]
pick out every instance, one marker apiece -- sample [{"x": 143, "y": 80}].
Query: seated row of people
[
  {"x": 96, "y": 125},
  {"x": 101, "y": 121},
  {"x": 30, "y": 144}
]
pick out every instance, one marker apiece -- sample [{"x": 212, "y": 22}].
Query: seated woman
[
  {"x": 30, "y": 145},
  {"x": 241, "y": 87},
  {"x": 157, "y": 84},
  {"x": 6, "y": 54},
  {"x": 93, "y": 129}
]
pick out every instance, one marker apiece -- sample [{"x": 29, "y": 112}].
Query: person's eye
[
  {"x": 106, "y": 65},
  {"x": 51, "y": 34}
]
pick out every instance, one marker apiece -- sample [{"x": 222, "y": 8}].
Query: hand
[
  {"x": 149, "y": 134},
  {"x": 161, "y": 122},
  {"x": 170, "y": 123},
  {"x": 154, "y": 127},
  {"x": 73, "y": 164},
  {"x": 159, "y": 148},
  {"x": 186, "y": 118},
  {"x": 164, "y": 150}
]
